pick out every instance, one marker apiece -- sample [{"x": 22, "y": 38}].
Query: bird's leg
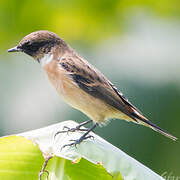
[
  {"x": 77, "y": 128},
  {"x": 83, "y": 137}
]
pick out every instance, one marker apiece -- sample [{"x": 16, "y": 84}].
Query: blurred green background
[{"x": 136, "y": 44}]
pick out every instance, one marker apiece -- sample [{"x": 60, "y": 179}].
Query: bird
[{"x": 80, "y": 84}]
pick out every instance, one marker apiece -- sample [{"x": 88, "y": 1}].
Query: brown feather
[{"x": 90, "y": 80}]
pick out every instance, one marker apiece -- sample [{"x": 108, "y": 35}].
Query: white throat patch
[{"x": 46, "y": 59}]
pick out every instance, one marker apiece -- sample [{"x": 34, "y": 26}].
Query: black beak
[{"x": 14, "y": 49}]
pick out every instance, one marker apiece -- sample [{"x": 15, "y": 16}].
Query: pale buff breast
[{"x": 95, "y": 108}]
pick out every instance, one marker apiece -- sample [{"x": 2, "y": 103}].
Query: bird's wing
[
  {"x": 90, "y": 80},
  {"x": 123, "y": 98}
]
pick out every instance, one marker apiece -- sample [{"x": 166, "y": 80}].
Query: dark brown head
[{"x": 38, "y": 43}]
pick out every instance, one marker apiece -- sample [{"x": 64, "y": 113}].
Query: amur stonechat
[{"x": 80, "y": 84}]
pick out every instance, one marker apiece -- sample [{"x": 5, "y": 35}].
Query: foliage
[{"x": 94, "y": 159}]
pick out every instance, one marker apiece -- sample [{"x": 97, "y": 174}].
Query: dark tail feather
[
  {"x": 162, "y": 131},
  {"x": 146, "y": 122}
]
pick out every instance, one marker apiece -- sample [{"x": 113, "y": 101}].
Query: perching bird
[{"x": 80, "y": 84}]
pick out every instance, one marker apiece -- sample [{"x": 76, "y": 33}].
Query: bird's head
[{"x": 39, "y": 43}]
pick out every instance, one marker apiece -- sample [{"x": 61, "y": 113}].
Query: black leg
[
  {"x": 77, "y": 128},
  {"x": 83, "y": 137}
]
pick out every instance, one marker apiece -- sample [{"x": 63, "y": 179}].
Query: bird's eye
[{"x": 32, "y": 46}]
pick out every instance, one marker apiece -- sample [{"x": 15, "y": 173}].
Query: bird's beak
[{"x": 14, "y": 49}]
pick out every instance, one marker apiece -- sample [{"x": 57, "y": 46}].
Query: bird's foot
[
  {"x": 78, "y": 141},
  {"x": 67, "y": 129},
  {"x": 77, "y": 128}
]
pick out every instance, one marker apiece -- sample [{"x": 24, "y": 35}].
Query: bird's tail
[{"x": 144, "y": 121}]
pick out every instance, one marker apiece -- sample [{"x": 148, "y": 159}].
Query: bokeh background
[{"x": 136, "y": 44}]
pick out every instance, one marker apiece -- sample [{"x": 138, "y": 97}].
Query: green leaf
[
  {"x": 92, "y": 159},
  {"x": 19, "y": 159},
  {"x": 60, "y": 168}
]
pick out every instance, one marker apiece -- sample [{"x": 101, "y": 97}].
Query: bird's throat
[{"x": 46, "y": 59}]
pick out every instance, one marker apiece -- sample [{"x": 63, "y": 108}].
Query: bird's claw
[
  {"x": 67, "y": 129},
  {"x": 90, "y": 137},
  {"x": 71, "y": 144},
  {"x": 77, "y": 141}
]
